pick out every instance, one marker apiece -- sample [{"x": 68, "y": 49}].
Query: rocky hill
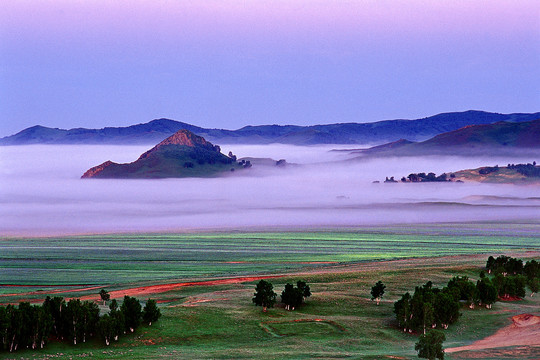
[{"x": 183, "y": 154}]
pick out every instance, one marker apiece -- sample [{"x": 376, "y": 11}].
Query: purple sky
[{"x": 226, "y": 64}]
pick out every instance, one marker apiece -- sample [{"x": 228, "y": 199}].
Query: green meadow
[
  {"x": 220, "y": 322},
  {"x": 126, "y": 258},
  {"x": 337, "y": 321}
]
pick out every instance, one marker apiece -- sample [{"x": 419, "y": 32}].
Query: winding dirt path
[{"x": 524, "y": 330}]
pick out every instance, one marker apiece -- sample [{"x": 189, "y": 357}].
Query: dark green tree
[
  {"x": 292, "y": 297},
  {"x": 113, "y": 306},
  {"x": 429, "y": 346},
  {"x": 89, "y": 319},
  {"x": 13, "y": 330},
  {"x": 118, "y": 320},
  {"x": 534, "y": 285},
  {"x": 151, "y": 313},
  {"x": 106, "y": 328},
  {"x": 428, "y": 316},
  {"x": 131, "y": 308},
  {"x": 45, "y": 325},
  {"x": 105, "y": 296},
  {"x": 55, "y": 307},
  {"x": 487, "y": 292},
  {"x": 73, "y": 317},
  {"x": 377, "y": 291},
  {"x": 304, "y": 288},
  {"x": 531, "y": 269},
  {"x": 402, "y": 309},
  {"x": 466, "y": 288},
  {"x": 264, "y": 295},
  {"x": 446, "y": 309}
]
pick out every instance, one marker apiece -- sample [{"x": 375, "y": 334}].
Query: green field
[
  {"x": 220, "y": 321},
  {"x": 114, "y": 259},
  {"x": 338, "y": 320}
]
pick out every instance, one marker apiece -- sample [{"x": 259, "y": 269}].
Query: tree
[
  {"x": 105, "y": 296},
  {"x": 264, "y": 295},
  {"x": 113, "y": 306},
  {"x": 377, "y": 291},
  {"x": 106, "y": 328},
  {"x": 292, "y": 297},
  {"x": 151, "y": 312},
  {"x": 72, "y": 317},
  {"x": 90, "y": 318},
  {"x": 55, "y": 307},
  {"x": 402, "y": 310},
  {"x": 131, "y": 308},
  {"x": 531, "y": 269},
  {"x": 304, "y": 288},
  {"x": 534, "y": 285},
  {"x": 466, "y": 289},
  {"x": 487, "y": 292},
  {"x": 428, "y": 316},
  {"x": 118, "y": 320},
  {"x": 429, "y": 346},
  {"x": 446, "y": 309}
]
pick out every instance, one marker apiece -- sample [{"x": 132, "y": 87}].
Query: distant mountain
[
  {"x": 183, "y": 154},
  {"x": 492, "y": 139},
  {"x": 344, "y": 133}
]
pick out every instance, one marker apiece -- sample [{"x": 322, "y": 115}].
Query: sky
[{"x": 227, "y": 64}]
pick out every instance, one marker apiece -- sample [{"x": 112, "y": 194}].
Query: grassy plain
[{"x": 219, "y": 321}]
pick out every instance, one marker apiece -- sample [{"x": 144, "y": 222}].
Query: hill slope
[
  {"x": 492, "y": 139},
  {"x": 344, "y": 133},
  {"x": 183, "y": 154}
]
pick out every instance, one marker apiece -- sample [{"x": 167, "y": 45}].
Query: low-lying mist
[{"x": 41, "y": 193}]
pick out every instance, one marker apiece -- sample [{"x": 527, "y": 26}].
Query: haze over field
[{"x": 41, "y": 193}]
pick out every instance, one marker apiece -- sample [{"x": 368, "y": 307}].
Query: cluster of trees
[
  {"x": 512, "y": 276},
  {"x": 423, "y": 177},
  {"x": 292, "y": 297},
  {"x": 433, "y": 307},
  {"x": 202, "y": 155},
  {"x": 29, "y": 326},
  {"x": 488, "y": 170},
  {"x": 528, "y": 170},
  {"x": 428, "y": 307}
]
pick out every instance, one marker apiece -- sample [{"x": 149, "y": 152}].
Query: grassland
[
  {"x": 117, "y": 259},
  {"x": 219, "y": 320}
]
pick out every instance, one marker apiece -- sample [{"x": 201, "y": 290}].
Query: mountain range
[
  {"x": 500, "y": 138},
  {"x": 340, "y": 133}
]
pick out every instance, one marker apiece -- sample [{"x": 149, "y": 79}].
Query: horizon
[
  {"x": 248, "y": 125},
  {"x": 102, "y": 64}
]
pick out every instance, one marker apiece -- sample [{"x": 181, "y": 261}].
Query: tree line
[
  {"x": 28, "y": 326},
  {"x": 430, "y": 307},
  {"x": 292, "y": 297}
]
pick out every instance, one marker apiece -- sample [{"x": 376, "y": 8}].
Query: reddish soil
[
  {"x": 50, "y": 292},
  {"x": 157, "y": 289},
  {"x": 524, "y": 331}
]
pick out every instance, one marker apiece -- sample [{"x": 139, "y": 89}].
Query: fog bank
[{"x": 41, "y": 193}]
